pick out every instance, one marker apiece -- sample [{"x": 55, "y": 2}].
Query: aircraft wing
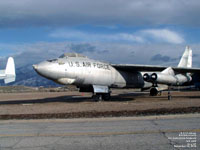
[{"x": 151, "y": 68}]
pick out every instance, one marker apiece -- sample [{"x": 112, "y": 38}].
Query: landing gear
[
  {"x": 97, "y": 97},
  {"x": 153, "y": 91},
  {"x": 101, "y": 96},
  {"x": 106, "y": 96}
]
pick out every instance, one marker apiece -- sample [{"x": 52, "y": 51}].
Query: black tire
[
  {"x": 153, "y": 92},
  {"x": 106, "y": 96},
  {"x": 97, "y": 97}
]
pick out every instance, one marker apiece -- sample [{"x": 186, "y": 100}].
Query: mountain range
[{"x": 27, "y": 76}]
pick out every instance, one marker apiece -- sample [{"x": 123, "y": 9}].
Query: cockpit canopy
[{"x": 65, "y": 55}]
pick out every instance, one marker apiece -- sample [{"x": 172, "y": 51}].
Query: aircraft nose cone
[
  {"x": 45, "y": 69},
  {"x": 35, "y": 67},
  {"x": 41, "y": 68}
]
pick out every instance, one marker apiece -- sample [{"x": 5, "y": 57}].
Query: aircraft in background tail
[
  {"x": 98, "y": 77},
  {"x": 9, "y": 73}
]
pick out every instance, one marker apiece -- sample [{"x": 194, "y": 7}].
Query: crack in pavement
[{"x": 164, "y": 135}]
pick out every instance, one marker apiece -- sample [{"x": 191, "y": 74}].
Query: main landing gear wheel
[
  {"x": 101, "y": 96},
  {"x": 106, "y": 96},
  {"x": 97, "y": 97},
  {"x": 153, "y": 92}
]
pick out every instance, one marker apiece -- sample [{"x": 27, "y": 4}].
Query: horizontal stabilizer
[{"x": 9, "y": 79}]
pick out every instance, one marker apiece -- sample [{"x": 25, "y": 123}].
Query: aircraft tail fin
[
  {"x": 10, "y": 71},
  {"x": 186, "y": 59}
]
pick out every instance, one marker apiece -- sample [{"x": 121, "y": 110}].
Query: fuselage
[
  {"x": 82, "y": 71},
  {"x": 98, "y": 77}
]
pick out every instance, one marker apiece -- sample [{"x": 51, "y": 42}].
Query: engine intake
[
  {"x": 146, "y": 77},
  {"x": 154, "y": 77}
]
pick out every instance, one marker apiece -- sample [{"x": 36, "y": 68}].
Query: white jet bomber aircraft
[
  {"x": 98, "y": 77},
  {"x": 9, "y": 73}
]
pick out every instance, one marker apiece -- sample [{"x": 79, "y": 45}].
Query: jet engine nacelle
[
  {"x": 146, "y": 77},
  {"x": 179, "y": 79}
]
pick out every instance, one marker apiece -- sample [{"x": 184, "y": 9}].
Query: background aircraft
[
  {"x": 9, "y": 73},
  {"x": 98, "y": 77}
]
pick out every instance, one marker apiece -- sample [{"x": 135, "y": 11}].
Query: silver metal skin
[
  {"x": 175, "y": 80},
  {"x": 98, "y": 77},
  {"x": 82, "y": 72}
]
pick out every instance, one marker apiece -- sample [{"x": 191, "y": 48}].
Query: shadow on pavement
[
  {"x": 72, "y": 99},
  {"x": 78, "y": 98}
]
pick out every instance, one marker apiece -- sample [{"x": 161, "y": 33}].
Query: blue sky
[
  {"x": 105, "y": 29},
  {"x": 189, "y": 35}
]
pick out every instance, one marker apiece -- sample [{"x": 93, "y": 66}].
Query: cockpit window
[
  {"x": 52, "y": 60},
  {"x": 62, "y": 56}
]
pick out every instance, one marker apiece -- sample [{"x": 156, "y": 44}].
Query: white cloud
[
  {"x": 97, "y": 37},
  {"x": 110, "y": 52},
  {"x": 141, "y": 36},
  {"x": 163, "y": 35}
]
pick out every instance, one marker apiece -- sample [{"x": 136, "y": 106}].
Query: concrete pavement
[{"x": 151, "y": 132}]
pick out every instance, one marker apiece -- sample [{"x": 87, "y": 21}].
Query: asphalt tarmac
[{"x": 172, "y": 132}]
